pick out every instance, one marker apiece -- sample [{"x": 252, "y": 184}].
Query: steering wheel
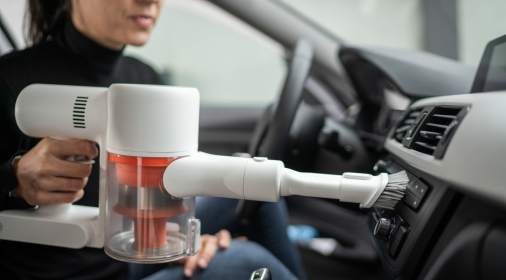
[{"x": 271, "y": 133}]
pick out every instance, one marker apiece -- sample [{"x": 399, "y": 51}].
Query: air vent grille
[
  {"x": 429, "y": 130},
  {"x": 433, "y": 129},
  {"x": 405, "y": 125},
  {"x": 78, "y": 113}
]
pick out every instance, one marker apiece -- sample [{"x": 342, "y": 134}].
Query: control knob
[{"x": 383, "y": 228}]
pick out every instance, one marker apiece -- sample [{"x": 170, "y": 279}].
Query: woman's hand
[
  {"x": 208, "y": 246},
  {"x": 44, "y": 175}
]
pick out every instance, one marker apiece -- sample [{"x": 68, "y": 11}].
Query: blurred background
[{"x": 199, "y": 45}]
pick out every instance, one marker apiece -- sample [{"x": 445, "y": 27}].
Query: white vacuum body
[
  {"x": 150, "y": 172},
  {"x": 141, "y": 129}
]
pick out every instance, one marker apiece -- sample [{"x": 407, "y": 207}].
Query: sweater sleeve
[{"x": 10, "y": 140}]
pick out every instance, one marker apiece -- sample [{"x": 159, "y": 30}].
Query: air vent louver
[
  {"x": 405, "y": 125},
  {"x": 78, "y": 112},
  {"x": 433, "y": 128}
]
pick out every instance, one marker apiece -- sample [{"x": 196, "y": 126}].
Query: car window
[
  {"x": 195, "y": 44},
  {"x": 479, "y": 22},
  {"x": 11, "y": 17},
  {"x": 399, "y": 23},
  {"x": 392, "y": 23}
]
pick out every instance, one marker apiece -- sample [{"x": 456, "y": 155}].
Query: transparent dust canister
[{"x": 144, "y": 223}]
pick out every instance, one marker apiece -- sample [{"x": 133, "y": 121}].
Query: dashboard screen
[{"x": 491, "y": 75}]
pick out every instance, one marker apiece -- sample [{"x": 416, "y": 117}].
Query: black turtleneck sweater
[{"x": 69, "y": 58}]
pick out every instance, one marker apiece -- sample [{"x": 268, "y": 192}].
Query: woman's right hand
[{"x": 44, "y": 175}]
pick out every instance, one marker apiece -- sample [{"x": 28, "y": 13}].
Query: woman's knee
[
  {"x": 248, "y": 256},
  {"x": 238, "y": 261}
]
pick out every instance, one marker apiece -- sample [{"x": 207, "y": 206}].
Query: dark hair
[{"x": 45, "y": 18}]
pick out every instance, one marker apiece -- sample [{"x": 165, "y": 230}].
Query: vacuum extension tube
[{"x": 145, "y": 224}]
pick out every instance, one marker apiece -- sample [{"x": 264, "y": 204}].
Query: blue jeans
[
  {"x": 241, "y": 258},
  {"x": 237, "y": 262},
  {"x": 267, "y": 229}
]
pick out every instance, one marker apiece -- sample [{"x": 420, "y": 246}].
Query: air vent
[
  {"x": 433, "y": 128},
  {"x": 79, "y": 112},
  {"x": 405, "y": 125}
]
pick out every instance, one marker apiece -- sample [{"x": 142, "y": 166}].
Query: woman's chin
[{"x": 139, "y": 39}]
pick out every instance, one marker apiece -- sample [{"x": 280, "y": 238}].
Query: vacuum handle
[{"x": 64, "y": 207}]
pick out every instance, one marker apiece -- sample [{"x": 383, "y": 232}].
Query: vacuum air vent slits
[
  {"x": 433, "y": 128},
  {"x": 78, "y": 112},
  {"x": 405, "y": 125}
]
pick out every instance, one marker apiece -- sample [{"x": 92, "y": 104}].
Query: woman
[{"x": 80, "y": 42}]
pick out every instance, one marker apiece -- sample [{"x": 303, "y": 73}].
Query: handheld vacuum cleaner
[{"x": 151, "y": 171}]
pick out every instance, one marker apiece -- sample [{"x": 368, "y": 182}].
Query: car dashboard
[
  {"x": 452, "y": 213},
  {"x": 451, "y": 222}
]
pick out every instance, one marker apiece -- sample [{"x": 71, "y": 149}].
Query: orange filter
[
  {"x": 143, "y": 198},
  {"x": 150, "y": 225},
  {"x": 140, "y": 171}
]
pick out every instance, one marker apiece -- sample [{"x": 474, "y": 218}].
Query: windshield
[{"x": 458, "y": 29}]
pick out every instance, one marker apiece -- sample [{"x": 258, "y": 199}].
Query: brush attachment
[
  {"x": 261, "y": 179},
  {"x": 394, "y": 190}
]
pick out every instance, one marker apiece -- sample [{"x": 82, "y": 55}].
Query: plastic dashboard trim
[{"x": 475, "y": 159}]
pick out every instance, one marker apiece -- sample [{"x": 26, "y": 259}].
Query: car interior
[{"x": 345, "y": 107}]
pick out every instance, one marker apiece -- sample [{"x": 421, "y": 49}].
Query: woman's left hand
[{"x": 208, "y": 246}]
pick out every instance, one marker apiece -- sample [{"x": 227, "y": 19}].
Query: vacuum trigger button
[{"x": 260, "y": 159}]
